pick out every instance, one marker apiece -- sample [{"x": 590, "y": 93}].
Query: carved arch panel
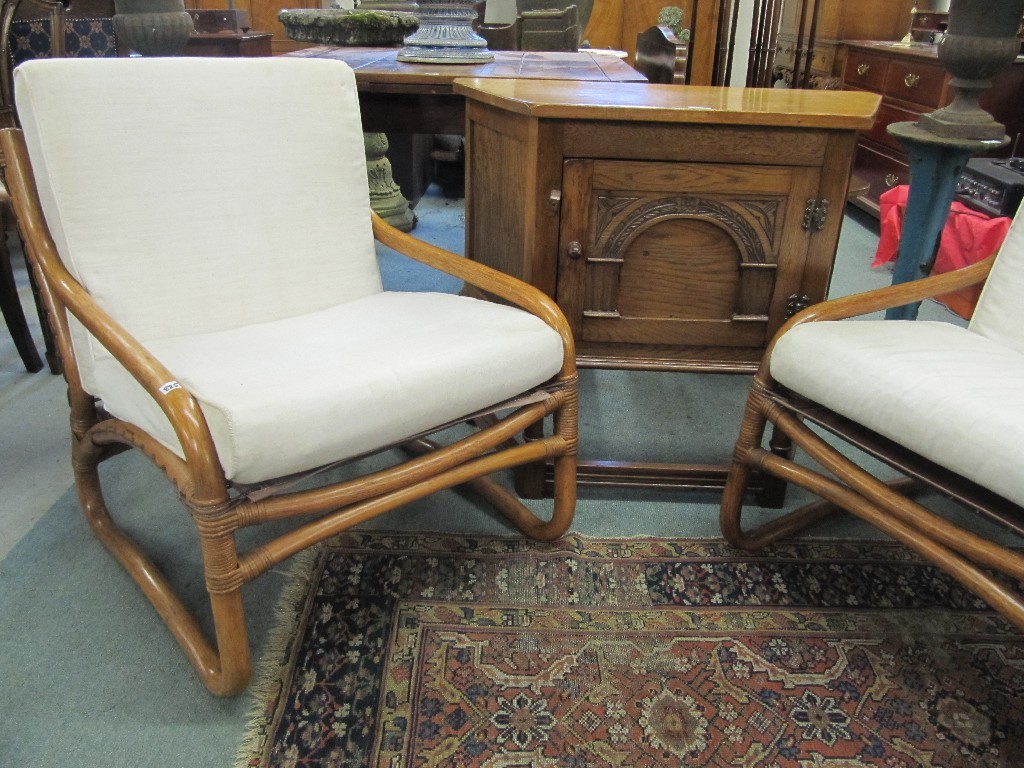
[{"x": 679, "y": 254}]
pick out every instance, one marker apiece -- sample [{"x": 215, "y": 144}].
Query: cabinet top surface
[
  {"x": 898, "y": 48},
  {"x": 642, "y": 102},
  {"x": 915, "y": 50}
]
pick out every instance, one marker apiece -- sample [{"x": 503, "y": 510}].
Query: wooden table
[
  {"x": 420, "y": 98},
  {"x": 677, "y": 227}
]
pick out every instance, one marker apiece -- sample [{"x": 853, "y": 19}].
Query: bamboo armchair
[
  {"x": 939, "y": 403},
  {"x": 291, "y": 321}
]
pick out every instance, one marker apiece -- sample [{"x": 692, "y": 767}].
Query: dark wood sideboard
[
  {"x": 911, "y": 80},
  {"x": 834, "y": 22}
]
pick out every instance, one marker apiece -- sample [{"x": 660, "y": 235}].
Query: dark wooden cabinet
[
  {"x": 912, "y": 81},
  {"x": 229, "y": 44},
  {"x": 262, "y": 18}
]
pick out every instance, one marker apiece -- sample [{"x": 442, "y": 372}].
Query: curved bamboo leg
[
  {"x": 513, "y": 509},
  {"x": 751, "y": 433},
  {"x": 224, "y": 670},
  {"x": 752, "y": 430},
  {"x": 566, "y": 420},
  {"x": 562, "y": 447}
]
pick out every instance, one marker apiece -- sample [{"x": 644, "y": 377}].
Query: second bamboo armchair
[
  {"x": 941, "y": 404},
  {"x": 202, "y": 236}
]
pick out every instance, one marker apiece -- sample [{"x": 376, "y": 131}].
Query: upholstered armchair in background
[
  {"x": 205, "y": 244},
  {"x": 941, "y": 404}
]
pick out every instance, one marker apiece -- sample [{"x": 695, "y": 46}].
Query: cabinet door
[{"x": 692, "y": 256}]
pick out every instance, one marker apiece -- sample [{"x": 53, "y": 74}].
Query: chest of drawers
[{"x": 912, "y": 81}]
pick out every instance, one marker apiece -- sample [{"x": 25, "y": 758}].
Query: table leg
[{"x": 10, "y": 304}]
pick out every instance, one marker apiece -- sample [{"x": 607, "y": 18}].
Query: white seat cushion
[
  {"x": 944, "y": 392},
  {"x": 298, "y": 393}
]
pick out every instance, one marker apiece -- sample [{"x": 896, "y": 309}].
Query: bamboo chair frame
[
  {"x": 223, "y": 662},
  {"x": 843, "y": 486}
]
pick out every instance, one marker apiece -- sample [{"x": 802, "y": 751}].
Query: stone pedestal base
[
  {"x": 446, "y": 35},
  {"x": 385, "y": 195}
]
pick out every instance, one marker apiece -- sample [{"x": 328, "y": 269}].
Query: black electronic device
[{"x": 993, "y": 186}]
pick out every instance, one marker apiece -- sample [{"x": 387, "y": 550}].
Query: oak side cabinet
[{"x": 677, "y": 228}]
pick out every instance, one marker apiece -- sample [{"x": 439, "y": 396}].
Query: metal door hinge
[
  {"x": 815, "y": 213},
  {"x": 797, "y": 303}
]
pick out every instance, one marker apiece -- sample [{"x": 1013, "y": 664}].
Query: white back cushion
[
  {"x": 198, "y": 195},
  {"x": 1000, "y": 311}
]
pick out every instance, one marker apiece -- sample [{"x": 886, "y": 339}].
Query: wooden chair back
[{"x": 26, "y": 31}]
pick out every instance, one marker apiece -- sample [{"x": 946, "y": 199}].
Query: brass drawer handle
[
  {"x": 891, "y": 180},
  {"x": 912, "y": 80},
  {"x": 863, "y": 69}
]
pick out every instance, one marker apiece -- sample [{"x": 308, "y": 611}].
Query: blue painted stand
[{"x": 935, "y": 164}]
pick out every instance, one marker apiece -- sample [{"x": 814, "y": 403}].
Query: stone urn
[
  {"x": 981, "y": 39},
  {"x": 335, "y": 26},
  {"x": 152, "y": 27}
]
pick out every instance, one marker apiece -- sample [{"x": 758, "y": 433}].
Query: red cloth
[{"x": 967, "y": 237}]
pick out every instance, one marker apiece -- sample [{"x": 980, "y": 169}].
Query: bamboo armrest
[
  {"x": 178, "y": 404},
  {"x": 890, "y": 296},
  {"x": 894, "y": 295},
  {"x": 503, "y": 286}
]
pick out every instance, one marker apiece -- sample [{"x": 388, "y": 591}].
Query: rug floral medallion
[{"x": 501, "y": 653}]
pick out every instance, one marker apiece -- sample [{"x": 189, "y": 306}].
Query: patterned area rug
[{"x": 486, "y": 653}]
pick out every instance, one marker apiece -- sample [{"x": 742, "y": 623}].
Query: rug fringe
[{"x": 272, "y": 666}]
